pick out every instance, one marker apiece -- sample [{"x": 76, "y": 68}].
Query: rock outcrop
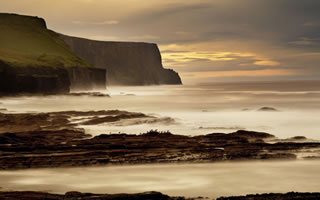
[
  {"x": 275, "y": 196},
  {"x": 73, "y": 195},
  {"x": 41, "y": 140},
  {"x": 127, "y": 63}
]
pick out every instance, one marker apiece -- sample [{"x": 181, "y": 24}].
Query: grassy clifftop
[{"x": 26, "y": 41}]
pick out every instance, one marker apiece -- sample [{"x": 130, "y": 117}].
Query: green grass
[{"x": 25, "y": 41}]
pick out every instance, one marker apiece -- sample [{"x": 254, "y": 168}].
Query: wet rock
[
  {"x": 299, "y": 138},
  {"x": 222, "y": 128},
  {"x": 252, "y": 134},
  {"x": 100, "y": 120},
  {"x": 84, "y": 196},
  {"x": 30, "y": 195},
  {"x": 288, "y": 196},
  {"x": 53, "y": 140},
  {"x": 270, "y": 109},
  {"x": 92, "y": 94}
]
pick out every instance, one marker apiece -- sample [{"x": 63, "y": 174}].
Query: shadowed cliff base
[
  {"x": 127, "y": 63},
  {"x": 48, "y": 80},
  {"x": 54, "y": 140}
]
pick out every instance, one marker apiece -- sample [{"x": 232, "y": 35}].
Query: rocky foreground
[
  {"x": 288, "y": 196},
  {"x": 54, "y": 140},
  {"x": 85, "y": 196},
  {"x": 146, "y": 196}
]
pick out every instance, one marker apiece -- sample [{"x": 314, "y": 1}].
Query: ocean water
[
  {"x": 190, "y": 180},
  {"x": 196, "y": 109},
  {"x": 199, "y": 109}
]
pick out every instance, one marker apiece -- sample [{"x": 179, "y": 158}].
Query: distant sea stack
[
  {"x": 127, "y": 63},
  {"x": 34, "y": 59}
]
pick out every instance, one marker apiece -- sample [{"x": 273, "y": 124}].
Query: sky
[{"x": 203, "y": 40}]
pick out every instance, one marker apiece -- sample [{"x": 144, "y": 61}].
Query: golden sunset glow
[
  {"x": 267, "y": 63},
  {"x": 245, "y": 73},
  {"x": 176, "y": 55}
]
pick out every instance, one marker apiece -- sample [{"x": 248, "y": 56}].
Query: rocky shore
[
  {"x": 288, "y": 196},
  {"x": 29, "y": 195},
  {"x": 43, "y": 140}
]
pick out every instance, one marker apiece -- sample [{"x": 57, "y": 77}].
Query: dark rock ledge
[
  {"x": 29, "y": 195},
  {"x": 274, "y": 196}
]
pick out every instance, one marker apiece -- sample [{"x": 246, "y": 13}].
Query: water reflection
[{"x": 212, "y": 180}]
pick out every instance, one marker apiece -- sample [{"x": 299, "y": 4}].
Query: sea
[
  {"x": 283, "y": 108},
  {"x": 198, "y": 109}
]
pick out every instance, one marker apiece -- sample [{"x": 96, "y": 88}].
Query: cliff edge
[
  {"x": 34, "y": 59},
  {"x": 127, "y": 63}
]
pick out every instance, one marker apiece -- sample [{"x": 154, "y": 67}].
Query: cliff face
[
  {"x": 15, "y": 80},
  {"x": 86, "y": 78},
  {"x": 127, "y": 63},
  {"x": 30, "y": 79},
  {"x": 34, "y": 59}
]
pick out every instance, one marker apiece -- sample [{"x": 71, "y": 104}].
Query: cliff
[
  {"x": 32, "y": 79},
  {"x": 82, "y": 78},
  {"x": 34, "y": 59},
  {"x": 127, "y": 63}
]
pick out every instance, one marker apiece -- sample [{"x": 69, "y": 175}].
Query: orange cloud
[
  {"x": 213, "y": 56},
  {"x": 177, "y": 54},
  {"x": 109, "y": 22}
]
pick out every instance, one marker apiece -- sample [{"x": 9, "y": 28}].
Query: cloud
[
  {"x": 267, "y": 63},
  {"x": 243, "y": 73},
  {"x": 312, "y": 24},
  {"x": 174, "y": 55},
  {"x": 183, "y": 33},
  {"x": 105, "y": 37},
  {"x": 144, "y": 37},
  {"x": 305, "y": 41}
]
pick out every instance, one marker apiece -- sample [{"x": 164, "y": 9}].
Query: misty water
[
  {"x": 192, "y": 180},
  {"x": 196, "y": 109},
  {"x": 199, "y": 109}
]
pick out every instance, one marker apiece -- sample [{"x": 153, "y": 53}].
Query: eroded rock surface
[
  {"x": 268, "y": 109},
  {"x": 288, "y": 196},
  {"x": 84, "y": 196},
  {"x": 54, "y": 140},
  {"x": 30, "y": 195}
]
